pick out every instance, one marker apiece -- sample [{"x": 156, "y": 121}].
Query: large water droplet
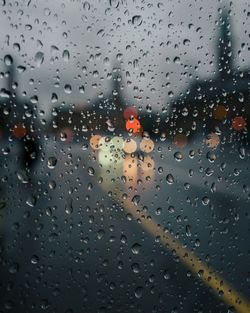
[
  {"x": 8, "y": 60},
  {"x": 39, "y": 58}
]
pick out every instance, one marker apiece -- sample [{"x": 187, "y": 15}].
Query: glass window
[{"x": 124, "y": 159}]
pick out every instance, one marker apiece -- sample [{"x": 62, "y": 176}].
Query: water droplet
[
  {"x": 8, "y": 60},
  {"x": 178, "y": 156},
  {"x": 242, "y": 152},
  {"x": 136, "y": 199},
  {"x": 52, "y": 162},
  {"x": 67, "y": 89},
  {"x": 91, "y": 171},
  {"x": 66, "y": 55},
  {"x": 137, "y": 20},
  {"x": 138, "y": 292},
  {"x": 136, "y": 248},
  {"x": 205, "y": 200},
  {"x": 4, "y": 93},
  {"x": 31, "y": 201},
  {"x": 39, "y": 58},
  {"x": 170, "y": 179},
  {"x": 188, "y": 231},
  {"x": 68, "y": 206},
  {"x": 34, "y": 259}
]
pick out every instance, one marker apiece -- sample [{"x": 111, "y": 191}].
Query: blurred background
[{"x": 124, "y": 136}]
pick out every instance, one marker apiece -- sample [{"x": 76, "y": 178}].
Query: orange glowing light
[
  {"x": 180, "y": 141},
  {"x": 220, "y": 112},
  {"x": 130, "y": 112},
  {"x": 147, "y": 145},
  {"x": 95, "y": 142},
  {"x": 130, "y": 169},
  {"x": 147, "y": 164},
  {"x": 19, "y": 131},
  {"x": 129, "y": 146},
  {"x": 239, "y": 123},
  {"x": 133, "y": 125}
]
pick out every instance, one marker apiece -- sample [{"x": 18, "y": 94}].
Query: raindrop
[
  {"x": 138, "y": 292},
  {"x": 178, "y": 156},
  {"x": 66, "y": 55},
  {"x": 136, "y": 199},
  {"x": 34, "y": 259},
  {"x": 69, "y": 207},
  {"x": 31, "y": 201},
  {"x": 188, "y": 231},
  {"x": 137, "y": 20},
  {"x": 242, "y": 152},
  {"x": 8, "y": 60},
  {"x": 91, "y": 171},
  {"x": 170, "y": 179},
  {"x": 205, "y": 200},
  {"x": 67, "y": 89},
  {"x": 52, "y": 162},
  {"x": 135, "y": 268},
  {"x": 86, "y": 5},
  {"x": 136, "y": 248},
  {"x": 39, "y": 58},
  {"x": 4, "y": 93}
]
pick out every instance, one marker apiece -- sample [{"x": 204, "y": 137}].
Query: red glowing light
[
  {"x": 19, "y": 131},
  {"x": 239, "y": 123},
  {"x": 133, "y": 125}
]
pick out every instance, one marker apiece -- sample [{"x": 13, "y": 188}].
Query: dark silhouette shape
[{"x": 15, "y": 111}]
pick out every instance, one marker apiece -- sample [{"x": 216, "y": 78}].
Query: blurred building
[{"x": 220, "y": 103}]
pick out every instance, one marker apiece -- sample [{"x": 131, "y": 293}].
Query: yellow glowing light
[
  {"x": 129, "y": 146},
  {"x": 105, "y": 144},
  {"x": 118, "y": 143},
  {"x": 130, "y": 169},
  {"x": 147, "y": 145},
  {"x": 95, "y": 142},
  {"x": 104, "y": 158},
  {"x": 147, "y": 164}
]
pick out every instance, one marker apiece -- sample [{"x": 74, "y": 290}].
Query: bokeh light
[
  {"x": 239, "y": 123},
  {"x": 133, "y": 125},
  {"x": 147, "y": 164},
  {"x": 105, "y": 144},
  {"x": 180, "y": 140},
  {"x": 118, "y": 143},
  {"x": 130, "y": 168},
  {"x": 95, "y": 142},
  {"x": 19, "y": 131},
  {"x": 220, "y": 112},
  {"x": 130, "y": 146},
  {"x": 147, "y": 145},
  {"x": 213, "y": 140}
]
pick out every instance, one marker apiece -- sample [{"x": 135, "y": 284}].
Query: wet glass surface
[{"x": 124, "y": 156}]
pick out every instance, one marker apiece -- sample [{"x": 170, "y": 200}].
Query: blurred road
[{"x": 68, "y": 245}]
